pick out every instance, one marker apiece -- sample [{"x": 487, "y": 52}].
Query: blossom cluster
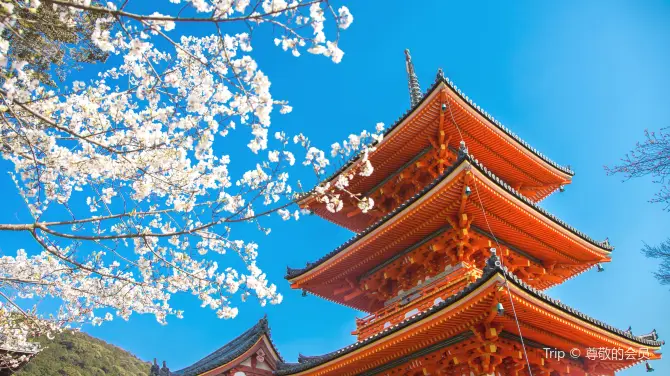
[
  {"x": 127, "y": 176},
  {"x": 333, "y": 194}
]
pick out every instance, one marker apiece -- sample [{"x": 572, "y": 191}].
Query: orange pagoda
[{"x": 451, "y": 264}]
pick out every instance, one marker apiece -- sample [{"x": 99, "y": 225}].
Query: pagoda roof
[
  {"x": 441, "y": 79},
  {"x": 232, "y": 350},
  {"x": 492, "y": 270},
  {"x": 464, "y": 158},
  {"x": 428, "y": 104}
]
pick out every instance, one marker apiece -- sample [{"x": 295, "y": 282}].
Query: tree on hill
[
  {"x": 78, "y": 354},
  {"x": 127, "y": 177},
  {"x": 652, "y": 158}
]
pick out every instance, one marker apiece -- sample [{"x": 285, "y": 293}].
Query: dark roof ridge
[
  {"x": 493, "y": 266},
  {"x": 294, "y": 272}
]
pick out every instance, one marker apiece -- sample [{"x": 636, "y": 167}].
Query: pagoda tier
[
  {"x": 474, "y": 332},
  {"x": 252, "y": 354},
  {"x": 423, "y": 143},
  {"x": 444, "y": 225}
]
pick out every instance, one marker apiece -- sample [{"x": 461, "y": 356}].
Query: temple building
[
  {"x": 13, "y": 358},
  {"x": 451, "y": 265}
]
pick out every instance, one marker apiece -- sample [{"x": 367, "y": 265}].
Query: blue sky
[{"x": 579, "y": 81}]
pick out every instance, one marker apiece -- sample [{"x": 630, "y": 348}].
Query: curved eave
[
  {"x": 294, "y": 274},
  {"x": 492, "y": 274},
  {"x": 563, "y": 174}
]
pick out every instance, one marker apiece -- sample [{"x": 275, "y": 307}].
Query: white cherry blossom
[{"x": 127, "y": 176}]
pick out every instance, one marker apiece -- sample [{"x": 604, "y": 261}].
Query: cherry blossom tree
[
  {"x": 127, "y": 176},
  {"x": 651, "y": 158}
]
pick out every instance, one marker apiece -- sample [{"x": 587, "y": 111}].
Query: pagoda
[{"x": 451, "y": 264}]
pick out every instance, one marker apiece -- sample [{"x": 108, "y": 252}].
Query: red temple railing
[{"x": 416, "y": 301}]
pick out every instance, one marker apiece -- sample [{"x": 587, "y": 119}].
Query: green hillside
[{"x": 78, "y": 354}]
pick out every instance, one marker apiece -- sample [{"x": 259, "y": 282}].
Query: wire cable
[{"x": 488, "y": 225}]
